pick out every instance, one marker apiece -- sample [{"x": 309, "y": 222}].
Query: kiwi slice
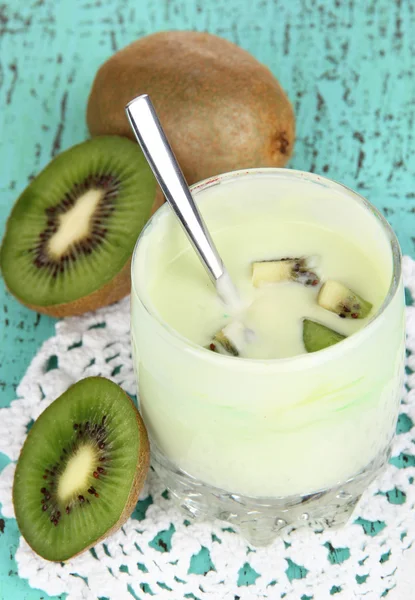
[
  {"x": 80, "y": 470},
  {"x": 336, "y": 297},
  {"x": 283, "y": 269},
  {"x": 71, "y": 234},
  {"x": 317, "y": 336}
]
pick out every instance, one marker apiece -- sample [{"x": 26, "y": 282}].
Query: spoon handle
[{"x": 157, "y": 150}]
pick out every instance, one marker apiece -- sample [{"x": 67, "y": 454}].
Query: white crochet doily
[{"x": 158, "y": 552}]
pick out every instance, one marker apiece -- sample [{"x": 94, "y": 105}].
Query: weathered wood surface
[{"x": 348, "y": 67}]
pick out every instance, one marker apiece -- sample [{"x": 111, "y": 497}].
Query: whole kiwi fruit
[
  {"x": 70, "y": 236},
  {"x": 221, "y": 109},
  {"x": 80, "y": 470}
]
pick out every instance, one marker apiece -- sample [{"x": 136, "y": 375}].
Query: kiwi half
[
  {"x": 71, "y": 234},
  {"x": 80, "y": 470}
]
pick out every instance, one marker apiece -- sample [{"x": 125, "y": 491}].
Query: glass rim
[{"x": 310, "y": 357}]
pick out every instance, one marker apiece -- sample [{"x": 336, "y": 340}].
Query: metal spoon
[{"x": 157, "y": 150}]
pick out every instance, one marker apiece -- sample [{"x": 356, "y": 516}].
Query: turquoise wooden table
[{"x": 348, "y": 67}]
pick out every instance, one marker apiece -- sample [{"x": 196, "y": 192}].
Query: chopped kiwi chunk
[
  {"x": 81, "y": 469},
  {"x": 231, "y": 339},
  {"x": 283, "y": 269},
  {"x": 223, "y": 342},
  {"x": 317, "y": 337},
  {"x": 337, "y": 298}
]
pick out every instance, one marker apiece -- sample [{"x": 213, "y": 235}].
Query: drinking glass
[{"x": 270, "y": 444}]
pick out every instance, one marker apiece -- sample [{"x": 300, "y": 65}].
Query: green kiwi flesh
[
  {"x": 80, "y": 470},
  {"x": 73, "y": 230},
  {"x": 317, "y": 336}
]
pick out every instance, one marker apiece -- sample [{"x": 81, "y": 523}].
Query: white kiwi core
[
  {"x": 74, "y": 478},
  {"x": 75, "y": 224}
]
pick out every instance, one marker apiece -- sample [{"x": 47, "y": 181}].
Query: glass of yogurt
[{"x": 288, "y": 425}]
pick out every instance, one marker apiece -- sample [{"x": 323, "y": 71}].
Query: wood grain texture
[{"x": 348, "y": 67}]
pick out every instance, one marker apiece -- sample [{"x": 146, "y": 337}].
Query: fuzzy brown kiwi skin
[
  {"x": 114, "y": 290},
  {"x": 142, "y": 467},
  {"x": 222, "y": 110}
]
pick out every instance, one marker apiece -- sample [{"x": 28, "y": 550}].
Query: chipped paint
[{"x": 348, "y": 67}]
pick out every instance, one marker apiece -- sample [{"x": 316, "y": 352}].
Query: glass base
[{"x": 261, "y": 520}]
